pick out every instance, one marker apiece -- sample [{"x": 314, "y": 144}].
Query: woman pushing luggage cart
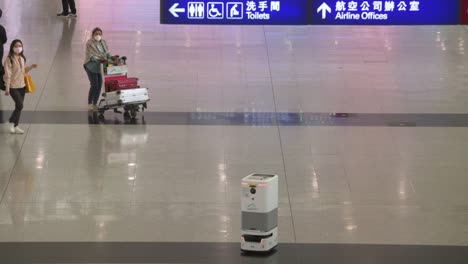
[{"x": 109, "y": 71}]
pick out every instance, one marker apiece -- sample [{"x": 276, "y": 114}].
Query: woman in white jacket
[{"x": 15, "y": 70}]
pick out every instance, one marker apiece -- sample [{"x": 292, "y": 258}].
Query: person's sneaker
[
  {"x": 95, "y": 108},
  {"x": 63, "y": 15},
  {"x": 12, "y": 128},
  {"x": 90, "y": 107},
  {"x": 18, "y": 130},
  {"x": 72, "y": 15}
]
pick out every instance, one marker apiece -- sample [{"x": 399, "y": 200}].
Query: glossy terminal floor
[{"x": 383, "y": 181}]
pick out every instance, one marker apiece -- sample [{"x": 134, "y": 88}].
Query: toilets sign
[
  {"x": 242, "y": 12},
  {"x": 312, "y": 12},
  {"x": 385, "y": 12}
]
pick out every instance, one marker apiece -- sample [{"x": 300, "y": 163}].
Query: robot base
[{"x": 258, "y": 241}]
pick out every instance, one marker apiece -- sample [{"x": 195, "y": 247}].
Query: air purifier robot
[{"x": 259, "y": 205}]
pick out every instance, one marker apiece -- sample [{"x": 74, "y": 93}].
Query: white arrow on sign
[
  {"x": 174, "y": 10},
  {"x": 324, "y": 8}
]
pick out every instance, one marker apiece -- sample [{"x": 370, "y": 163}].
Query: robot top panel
[{"x": 260, "y": 177}]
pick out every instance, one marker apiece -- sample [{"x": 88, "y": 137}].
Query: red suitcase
[
  {"x": 113, "y": 78},
  {"x": 121, "y": 84}
]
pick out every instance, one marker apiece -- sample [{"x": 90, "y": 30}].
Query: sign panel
[
  {"x": 315, "y": 12},
  {"x": 385, "y": 12},
  {"x": 464, "y": 12},
  {"x": 232, "y": 12}
]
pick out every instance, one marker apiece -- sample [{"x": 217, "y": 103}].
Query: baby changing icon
[
  {"x": 235, "y": 10},
  {"x": 215, "y": 10}
]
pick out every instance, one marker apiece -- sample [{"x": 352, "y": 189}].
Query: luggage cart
[{"x": 131, "y": 100}]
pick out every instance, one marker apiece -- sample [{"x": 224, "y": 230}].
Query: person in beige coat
[
  {"x": 97, "y": 52},
  {"x": 15, "y": 70}
]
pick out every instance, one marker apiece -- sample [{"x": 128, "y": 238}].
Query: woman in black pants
[
  {"x": 15, "y": 69},
  {"x": 97, "y": 52}
]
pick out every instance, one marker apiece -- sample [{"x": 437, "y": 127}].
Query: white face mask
[
  {"x": 97, "y": 38},
  {"x": 18, "y": 50}
]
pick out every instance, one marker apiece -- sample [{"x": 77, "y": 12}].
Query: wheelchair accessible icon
[{"x": 215, "y": 10}]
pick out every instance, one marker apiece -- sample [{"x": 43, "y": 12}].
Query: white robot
[{"x": 259, "y": 202}]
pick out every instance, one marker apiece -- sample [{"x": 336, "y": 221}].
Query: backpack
[
  {"x": 2, "y": 82},
  {"x": 2, "y": 72}
]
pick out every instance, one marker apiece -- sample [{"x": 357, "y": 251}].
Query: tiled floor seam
[{"x": 279, "y": 135}]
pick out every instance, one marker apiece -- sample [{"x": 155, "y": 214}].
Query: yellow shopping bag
[{"x": 30, "y": 87}]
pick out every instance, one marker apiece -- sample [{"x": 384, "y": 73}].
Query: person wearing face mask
[
  {"x": 97, "y": 52},
  {"x": 15, "y": 70}
]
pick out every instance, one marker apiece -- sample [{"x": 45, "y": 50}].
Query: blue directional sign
[
  {"x": 385, "y": 12},
  {"x": 237, "y": 12}
]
